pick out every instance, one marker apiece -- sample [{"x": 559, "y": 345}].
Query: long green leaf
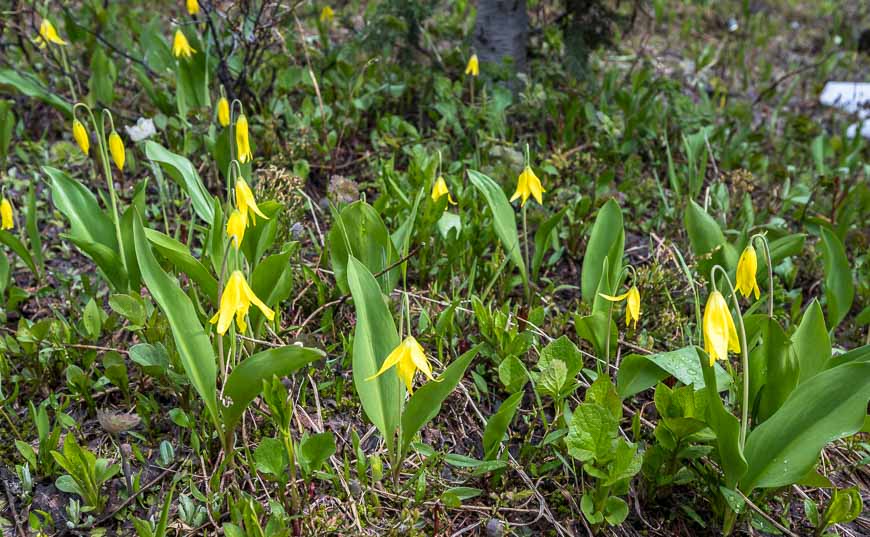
[
  {"x": 839, "y": 289},
  {"x": 811, "y": 341},
  {"x": 425, "y": 403},
  {"x": 87, "y": 220},
  {"x": 781, "y": 369},
  {"x": 708, "y": 241},
  {"x": 194, "y": 346},
  {"x": 15, "y": 244},
  {"x": 28, "y": 85},
  {"x": 107, "y": 261},
  {"x": 830, "y": 405},
  {"x": 184, "y": 173},
  {"x": 640, "y": 372},
  {"x": 606, "y": 241},
  {"x": 503, "y": 218},
  {"x": 246, "y": 380},
  {"x": 498, "y": 424},
  {"x": 360, "y": 232},
  {"x": 178, "y": 254},
  {"x": 725, "y": 425},
  {"x": 374, "y": 338}
]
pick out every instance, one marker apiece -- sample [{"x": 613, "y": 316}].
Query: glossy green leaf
[
  {"x": 708, "y": 241},
  {"x": 830, "y": 405},
  {"x": 185, "y": 174},
  {"x": 375, "y": 336},
  {"x": 178, "y": 254},
  {"x": 360, "y": 232},
  {"x": 839, "y": 288},
  {"x": 640, "y": 372},
  {"x": 781, "y": 367},
  {"x": 726, "y": 427},
  {"x": 272, "y": 281},
  {"x": 606, "y": 242},
  {"x": 87, "y": 220},
  {"x": 503, "y": 218},
  {"x": 812, "y": 344}
]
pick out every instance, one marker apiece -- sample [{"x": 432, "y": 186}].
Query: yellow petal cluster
[
  {"x": 246, "y": 203},
  {"x": 6, "y": 219},
  {"x": 181, "y": 46},
  {"x": 223, "y": 109},
  {"x": 116, "y": 148},
  {"x": 236, "y": 300},
  {"x": 327, "y": 14},
  {"x": 439, "y": 189},
  {"x": 80, "y": 134},
  {"x": 48, "y": 34},
  {"x": 192, "y": 7},
  {"x": 473, "y": 67},
  {"x": 632, "y": 306},
  {"x": 720, "y": 334},
  {"x": 236, "y": 225},
  {"x": 408, "y": 357},
  {"x": 747, "y": 266},
  {"x": 528, "y": 185},
  {"x": 242, "y": 142}
]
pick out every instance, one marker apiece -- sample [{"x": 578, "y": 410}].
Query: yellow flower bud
[
  {"x": 80, "y": 134},
  {"x": 6, "y": 219},
  {"x": 223, "y": 109},
  {"x": 116, "y": 148}
]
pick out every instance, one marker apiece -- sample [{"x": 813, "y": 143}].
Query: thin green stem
[
  {"x": 766, "y": 248},
  {"x": 528, "y": 266}
]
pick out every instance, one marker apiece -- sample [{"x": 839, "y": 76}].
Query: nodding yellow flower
[
  {"x": 720, "y": 334},
  {"x": 48, "y": 34},
  {"x": 236, "y": 300},
  {"x": 116, "y": 148},
  {"x": 326, "y": 15},
  {"x": 528, "y": 184},
  {"x": 632, "y": 306},
  {"x": 6, "y": 219},
  {"x": 746, "y": 269},
  {"x": 181, "y": 46},
  {"x": 245, "y": 200},
  {"x": 408, "y": 357},
  {"x": 439, "y": 189},
  {"x": 223, "y": 107},
  {"x": 236, "y": 224},
  {"x": 242, "y": 142},
  {"x": 192, "y": 7},
  {"x": 473, "y": 67},
  {"x": 80, "y": 134}
]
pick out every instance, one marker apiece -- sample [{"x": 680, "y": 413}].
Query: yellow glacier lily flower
[
  {"x": 327, "y": 14},
  {"x": 236, "y": 300},
  {"x": 80, "y": 134},
  {"x": 632, "y": 306},
  {"x": 6, "y": 219},
  {"x": 439, "y": 189},
  {"x": 746, "y": 269},
  {"x": 528, "y": 185},
  {"x": 245, "y": 200},
  {"x": 181, "y": 46},
  {"x": 48, "y": 34},
  {"x": 116, "y": 148},
  {"x": 408, "y": 357},
  {"x": 473, "y": 67},
  {"x": 192, "y": 7},
  {"x": 236, "y": 225},
  {"x": 242, "y": 142},
  {"x": 720, "y": 334},
  {"x": 223, "y": 107}
]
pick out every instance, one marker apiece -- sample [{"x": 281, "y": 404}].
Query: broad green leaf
[
  {"x": 725, "y": 426},
  {"x": 708, "y": 241},
  {"x": 830, "y": 405},
  {"x": 272, "y": 281},
  {"x": 606, "y": 241},
  {"x": 314, "y": 450},
  {"x": 106, "y": 259},
  {"x": 512, "y": 374},
  {"x": 28, "y": 85},
  {"x": 542, "y": 239},
  {"x": 592, "y": 432},
  {"x": 782, "y": 369},
  {"x": 498, "y": 424},
  {"x": 503, "y": 218},
  {"x": 270, "y": 458},
  {"x": 425, "y": 403},
  {"x": 593, "y": 328},
  {"x": 260, "y": 236},
  {"x": 245, "y": 381},
  {"x": 811, "y": 341},
  {"x": 7, "y": 123},
  {"x": 31, "y": 225},
  {"x": 185, "y": 174},
  {"x": 845, "y": 506},
  {"x": 103, "y": 76},
  {"x": 15, "y": 244},
  {"x": 640, "y": 372},
  {"x": 375, "y": 336},
  {"x": 192, "y": 78},
  {"x": 87, "y": 220},
  {"x": 194, "y": 346},
  {"x": 839, "y": 289},
  {"x": 178, "y": 254},
  {"x": 360, "y": 232}
]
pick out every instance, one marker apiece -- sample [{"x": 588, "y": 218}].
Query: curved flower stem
[
  {"x": 766, "y": 248},
  {"x": 744, "y": 353},
  {"x": 626, "y": 268}
]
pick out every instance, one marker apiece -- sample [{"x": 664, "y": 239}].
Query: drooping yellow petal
[
  {"x": 116, "y": 148},
  {"x": 192, "y": 7},
  {"x": 617, "y": 298},
  {"x": 720, "y": 334},
  {"x": 223, "y": 109},
  {"x": 245, "y": 201},
  {"x": 534, "y": 185},
  {"x": 242, "y": 143},
  {"x": 418, "y": 357},
  {"x": 747, "y": 267},
  {"x": 439, "y": 189},
  {"x": 326, "y": 15},
  {"x": 80, "y": 134},
  {"x": 632, "y": 307},
  {"x": 236, "y": 224},
  {"x": 255, "y": 300},
  {"x": 392, "y": 359},
  {"x": 473, "y": 67},
  {"x": 181, "y": 46},
  {"x": 231, "y": 302},
  {"x": 7, "y": 221},
  {"x": 408, "y": 357},
  {"x": 49, "y": 34},
  {"x": 522, "y": 190}
]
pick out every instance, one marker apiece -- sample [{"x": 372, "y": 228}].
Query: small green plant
[
  {"x": 844, "y": 506},
  {"x": 86, "y": 474}
]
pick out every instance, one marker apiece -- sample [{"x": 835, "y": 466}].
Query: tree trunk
[{"x": 501, "y": 31}]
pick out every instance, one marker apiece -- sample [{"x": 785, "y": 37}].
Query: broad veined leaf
[
  {"x": 185, "y": 174},
  {"x": 592, "y": 432},
  {"x": 830, "y": 405},
  {"x": 606, "y": 242},
  {"x": 260, "y": 236},
  {"x": 640, "y": 372},
  {"x": 839, "y": 289},
  {"x": 194, "y": 346},
  {"x": 375, "y": 336},
  {"x": 360, "y": 232},
  {"x": 246, "y": 381},
  {"x": 179, "y": 255},
  {"x": 503, "y": 218}
]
